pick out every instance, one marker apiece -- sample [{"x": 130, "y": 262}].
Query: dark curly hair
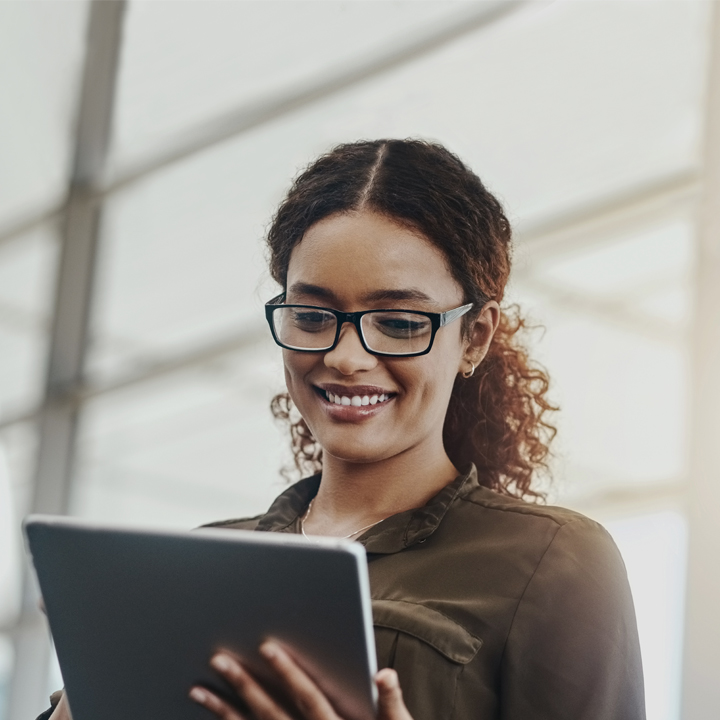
[{"x": 497, "y": 418}]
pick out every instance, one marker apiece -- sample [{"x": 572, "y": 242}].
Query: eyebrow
[{"x": 400, "y": 294}]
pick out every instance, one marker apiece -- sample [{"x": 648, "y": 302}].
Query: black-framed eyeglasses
[{"x": 396, "y": 333}]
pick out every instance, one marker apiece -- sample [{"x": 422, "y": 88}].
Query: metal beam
[
  {"x": 15, "y": 417},
  {"x": 625, "y": 499},
  {"x": 620, "y": 313},
  {"x": 75, "y": 272},
  {"x": 30, "y": 222},
  {"x": 203, "y": 355},
  {"x": 701, "y": 689},
  {"x": 58, "y": 414}
]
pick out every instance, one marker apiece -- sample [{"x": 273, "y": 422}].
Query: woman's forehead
[{"x": 370, "y": 257}]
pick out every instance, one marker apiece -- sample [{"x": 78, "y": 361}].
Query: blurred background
[{"x": 143, "y": 148}]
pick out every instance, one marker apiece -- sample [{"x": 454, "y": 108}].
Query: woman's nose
[{"x": 349, "y": 356}]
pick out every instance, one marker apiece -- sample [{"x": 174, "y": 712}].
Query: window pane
[
  {"x": 536, "y": 104},
  {"x": 619, "y": 370},
  {"x": 185, "y": 449},
  {"x": 17, "y": 462},
  {"x": 6, "y": 665},
  {"x": 27, "y": 275},
  {"x": 41, "y": 52},
  {"x": 10, "y": 545},
  {"x": 181, "y": 260},
  {"x": 185, "y": 62},
  {"x": 654, "y": 548}
]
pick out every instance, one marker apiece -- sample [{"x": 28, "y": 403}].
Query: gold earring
[{"x": 469, "y": 373}]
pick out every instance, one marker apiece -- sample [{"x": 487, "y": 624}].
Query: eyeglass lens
[{"x": 391, "y": 332}]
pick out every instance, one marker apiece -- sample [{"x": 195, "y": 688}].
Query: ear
[{"x": 480, "y": 336}]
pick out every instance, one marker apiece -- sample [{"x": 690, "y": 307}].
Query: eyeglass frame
[{"x": 437, "y": 320}]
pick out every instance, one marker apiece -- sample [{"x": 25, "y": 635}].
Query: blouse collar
[{"x": 393, "y": 534}]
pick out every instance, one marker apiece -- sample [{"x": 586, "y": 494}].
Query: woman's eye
[
  {"x": 403, "y": 327},
  {"x": 312, "y": 321}
]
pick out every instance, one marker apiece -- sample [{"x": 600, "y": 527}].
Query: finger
[
  {"x": 214, "y": 704},
  {"x": 391, "y": 705},
  {"x": 308, "y": 698},
  {"x": 62, "y": 709},
  {"x": 261, "y": 705}
]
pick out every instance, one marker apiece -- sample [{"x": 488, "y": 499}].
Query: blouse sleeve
[{"x": 572, "y": 652}]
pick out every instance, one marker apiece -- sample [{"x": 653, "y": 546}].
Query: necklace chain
[{"x": 343, "y": 537}]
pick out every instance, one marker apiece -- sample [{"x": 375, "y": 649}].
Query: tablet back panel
[{"x": 136, "y": 615}]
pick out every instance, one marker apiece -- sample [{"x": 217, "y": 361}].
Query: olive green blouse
[{"x": 493, "y": 608}]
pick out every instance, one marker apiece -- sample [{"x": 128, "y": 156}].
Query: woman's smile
[{"x": 354, "y": 403}]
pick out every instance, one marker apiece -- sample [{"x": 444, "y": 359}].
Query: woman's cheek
[{"x": 294, "y": 372}]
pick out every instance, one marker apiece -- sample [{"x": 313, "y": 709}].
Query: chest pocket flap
[{"x": 430, "y": 626}]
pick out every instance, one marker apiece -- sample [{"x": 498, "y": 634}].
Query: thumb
[
  {"x": 62, "y": 710},
  {"x": 390, "y": 700}
]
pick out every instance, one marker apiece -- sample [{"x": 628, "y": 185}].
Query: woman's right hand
[
  {"x": 62, "y": 710},
  {"x": 310, "y": 702}
]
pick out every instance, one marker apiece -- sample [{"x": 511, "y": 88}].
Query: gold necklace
[{"x": 343, "y": 537}]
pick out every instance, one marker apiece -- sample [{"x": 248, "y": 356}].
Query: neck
[{"x": 353, "y": 495}]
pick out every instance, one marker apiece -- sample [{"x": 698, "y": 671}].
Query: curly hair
[{"x": 496, "y": 418}]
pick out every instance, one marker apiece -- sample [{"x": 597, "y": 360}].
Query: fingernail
[
  {"x": 198, "y": 695},
  {"x": 268, "y": 650},
  {"x": 390, "y": 680},
  {"x": 221, "y": 662}
]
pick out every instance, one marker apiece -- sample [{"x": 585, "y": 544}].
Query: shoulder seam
[{"x": 534, "y": 510}]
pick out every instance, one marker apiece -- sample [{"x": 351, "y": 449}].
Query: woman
[{"x": 423, "y": 421}]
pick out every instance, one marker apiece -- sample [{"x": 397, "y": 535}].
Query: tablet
[{"x": 136, "y": 614}]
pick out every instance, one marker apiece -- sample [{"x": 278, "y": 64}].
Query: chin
[
  {"x": 358, "y": 454},
  {"x": 355, "y": 451}
]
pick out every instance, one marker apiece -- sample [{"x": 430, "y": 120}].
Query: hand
[
  {"x": 62, "y": 710},
  {"x": 309, "y": 700}
]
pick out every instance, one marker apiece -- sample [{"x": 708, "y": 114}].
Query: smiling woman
[
  {"x": 438, "y": 224},
  {"x": 420, "y": 420},
  {"x": 421, "y": 423}
]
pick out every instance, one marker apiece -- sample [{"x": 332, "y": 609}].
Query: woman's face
[{"x": 363, "y": 261}]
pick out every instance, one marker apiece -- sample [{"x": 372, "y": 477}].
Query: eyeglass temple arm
[{"x": 447, "y": 317}]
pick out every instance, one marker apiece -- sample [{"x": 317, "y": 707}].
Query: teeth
[{"x": 356, "y": 400}]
